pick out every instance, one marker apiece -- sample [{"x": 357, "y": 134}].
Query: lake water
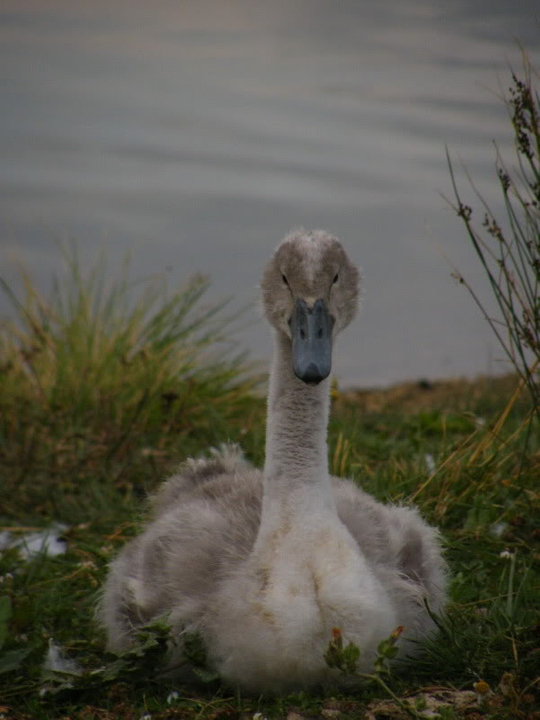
[{"x": 196, "y": 134}]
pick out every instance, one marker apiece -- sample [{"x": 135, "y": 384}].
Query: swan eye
[
  {"x": 336, "y": 278},
  {"x": 285, "y": 280}
]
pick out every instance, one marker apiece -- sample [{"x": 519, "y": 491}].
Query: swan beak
[{"x": 311, "y": 331}]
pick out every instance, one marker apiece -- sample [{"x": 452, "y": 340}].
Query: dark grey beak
[{"x": 311, "y": 331}]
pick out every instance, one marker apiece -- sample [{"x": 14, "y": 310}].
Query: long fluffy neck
[{"x": 296, "y": 466}]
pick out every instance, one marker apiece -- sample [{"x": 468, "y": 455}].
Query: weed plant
[
  {"x": 104, "y": 377},
  {"x": 510, "y": 252}
]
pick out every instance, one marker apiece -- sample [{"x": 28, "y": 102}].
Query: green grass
[{"x": 103, "y": 391}]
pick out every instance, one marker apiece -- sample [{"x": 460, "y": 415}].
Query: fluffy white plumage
[{"x": 263, "y": 564}]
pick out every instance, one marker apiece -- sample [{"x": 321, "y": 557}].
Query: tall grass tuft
[
  {"x": 510, "y": 254},
  {"x": 100, "y": 362}
]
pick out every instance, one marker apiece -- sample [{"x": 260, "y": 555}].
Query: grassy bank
[{"x": 103, "y": 391}]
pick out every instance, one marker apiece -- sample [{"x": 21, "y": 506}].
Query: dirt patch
[{"x": 455, "y": 395}]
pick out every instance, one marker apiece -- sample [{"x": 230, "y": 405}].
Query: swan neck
[{"x": 297, "y": 424}]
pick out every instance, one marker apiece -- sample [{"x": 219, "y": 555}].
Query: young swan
[{"x": 264, "y": 565}]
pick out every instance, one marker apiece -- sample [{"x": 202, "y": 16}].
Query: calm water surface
[{"x": 196, "y": 134}]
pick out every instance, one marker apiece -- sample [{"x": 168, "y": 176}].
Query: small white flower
[
  {"x": 172, "y": 697},
  {"x": 506, "y": 555}
]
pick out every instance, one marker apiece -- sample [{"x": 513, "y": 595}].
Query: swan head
[{"x": 310, "y": 292}]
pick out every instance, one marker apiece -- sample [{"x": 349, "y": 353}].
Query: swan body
[{"x": 264, "y": 564}]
